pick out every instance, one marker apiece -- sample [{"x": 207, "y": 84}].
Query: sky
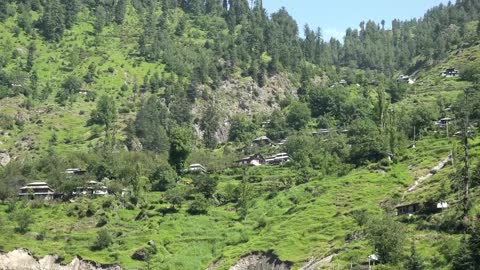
[{"x": 335, "y": 16}]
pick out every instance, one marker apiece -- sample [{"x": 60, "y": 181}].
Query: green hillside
[{"x": 133, "y": 92}]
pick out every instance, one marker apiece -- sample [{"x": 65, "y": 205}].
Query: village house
[
  {"x": 83, "y": 92},
  {"x": 262, "y": 141},
  {"x": 425, "y": 208},
  {"x": 450, "y": 73},
  {"x": 197, "y": 168},
  {"x": 37, "y": 190},
  {"x": 252, "y": 160},
  {"x": 282, "y": 142},
  {"x": 321, "y": 132},
  {"x": 408, "y": 209},
  {"x": 75, "y": 171},
  {"x": 92, "y": 188},
  {"x": 443, "y": 123},
  {"x": 405, "y": 78},
  {"x": 266, "y": 124},
  {"x": 126, "y": 192},
  {"x": 343, "y": 82},
  {"x": 277, "y": 159},
  {"x": 373, "y": 82}
]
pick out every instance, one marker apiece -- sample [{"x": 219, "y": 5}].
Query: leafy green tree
[
  {"x": 181, "y": 111},
  {"x": 163, "y": 178},
  {"x": 298, "y": 115},
  {"x": 397, "y": 91},
  {"x": 367, "y": 142},
  {"x": 69, "y": 89},
  {"x": 386, "y": 236},
  {"x": 299, "y": 148},
  {"x": 105, "y": 113},
  {"x": 176, "y": 196},
  {"x": 180, "y": 146},
  {"x": 471, "y": 73},
  {"x": 205, "y": 185},
  {"x": 242, "y": 129},
  {"x": 423, "y": 117},
  {"x": 277, "y": 129},
  {"x": 328, "y": 101},
  {"x": 149, "y": 126}
]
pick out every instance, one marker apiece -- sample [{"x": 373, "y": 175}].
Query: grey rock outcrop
[
  {"x": 261, "y": 261},
  {"x": 23, "y": 259},
  {"x": 4, "y": 158}
]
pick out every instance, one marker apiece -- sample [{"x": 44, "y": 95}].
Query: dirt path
[
  {"x": 313, "y": 265},
  {"x": 431, "y": 173}
]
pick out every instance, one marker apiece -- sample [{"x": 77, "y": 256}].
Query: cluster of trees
[
  {"x": 243, "y": 38},
  {"x": 264, "y": 45}
]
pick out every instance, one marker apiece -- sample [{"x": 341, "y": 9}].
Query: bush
[
  {"x": 360, "y": 216},
  {"x": 41, "y": 235},
  {"x": 144, "y": 253},
  {"x": 103, "y": 240},
  {"x": 6, "y": 121},
  {"x": 24, "y": 219},
  {"x": 102, "y": 221},
  {"x": 198, "y": 206}
]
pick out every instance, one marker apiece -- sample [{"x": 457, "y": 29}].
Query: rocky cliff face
[
  {"x": 242, "y": 96},
  {"x": 23, "y": 259}
]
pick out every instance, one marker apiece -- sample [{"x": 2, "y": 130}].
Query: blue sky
[{"x": 335, "y": 16}]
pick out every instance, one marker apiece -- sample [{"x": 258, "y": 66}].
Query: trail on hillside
[
  {"x": 431, "y": 173},
  {"x": 312, "y": 265}
]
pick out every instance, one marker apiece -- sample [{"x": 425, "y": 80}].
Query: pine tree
[
  {"x": 210, "y": 124},
  {"x": 52, "y": 22},
  {"x": 100, "y": 19},
  {"x": 120, "y": 10},
  {"x": 31, "y": 56},
  {"x": 71, "y": 9},
  {"x": 414, "y": 262},
  {"x": 463, "y": 259}
]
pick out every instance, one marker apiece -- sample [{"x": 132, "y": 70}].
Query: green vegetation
[{"x": 135, "y": 91}]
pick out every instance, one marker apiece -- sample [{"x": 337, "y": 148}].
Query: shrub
[
  {"x": 102, "y": 221},
  {"x": 198, "y": 206},
  {"x": 360, "y": 216},
  {"x": 144, "y": 253},
  {"x": 103, "y": 240},
  {"x": 24, "y": 219},
  {"x": 41, "y": 235}
]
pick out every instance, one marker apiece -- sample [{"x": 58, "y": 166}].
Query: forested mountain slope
[{"x": 132, "y": 92}]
